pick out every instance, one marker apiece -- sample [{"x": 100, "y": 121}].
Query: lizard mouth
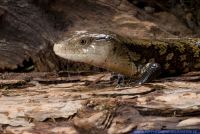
[{"x": 59, "y": 50}]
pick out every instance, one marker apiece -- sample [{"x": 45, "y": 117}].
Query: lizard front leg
[{"x": 148, "y": 73}]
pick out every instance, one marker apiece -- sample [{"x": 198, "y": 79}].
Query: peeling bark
[{"x": 69, "y": 104}]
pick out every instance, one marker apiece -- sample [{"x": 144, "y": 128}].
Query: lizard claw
[{"x": 120, "y": 79}]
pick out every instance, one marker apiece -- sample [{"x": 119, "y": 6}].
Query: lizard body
[{"x": 129, "y": 56}]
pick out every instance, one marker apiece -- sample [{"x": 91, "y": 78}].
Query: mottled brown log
[{"x": 28, "y": 29}]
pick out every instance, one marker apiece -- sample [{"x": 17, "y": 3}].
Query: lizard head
[
  {"x": 99, "y": 49},
  {"x": 92, "y": 48}
]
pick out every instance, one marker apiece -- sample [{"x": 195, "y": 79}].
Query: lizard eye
[{"x": 83, "y": 41}]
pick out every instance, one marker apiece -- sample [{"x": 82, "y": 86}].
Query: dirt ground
[{"x": 85, "y": 102}]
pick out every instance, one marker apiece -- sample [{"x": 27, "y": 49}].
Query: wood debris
[{"x": 70, "y": 104}]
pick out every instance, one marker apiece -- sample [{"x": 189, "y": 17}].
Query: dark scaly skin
[
  {"x": 175, "y": 56},
  {"x": 130, "y": 56}
]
